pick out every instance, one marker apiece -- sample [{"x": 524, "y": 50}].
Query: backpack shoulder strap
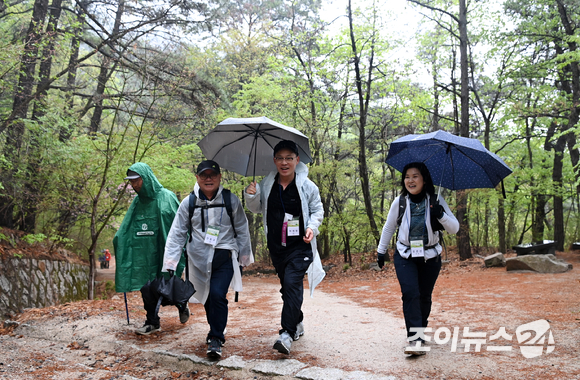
[
  {"x": 192, "y": 206},
  {"x": 227, "y": 196},
  {"x": 402, "y": 207}
]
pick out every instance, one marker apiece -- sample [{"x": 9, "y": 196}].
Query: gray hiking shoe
[
  {"x": 184, "y": 314},
  {"x": 214, "y": 348},
  {"x": 147, "y": 329},
  {"x": 283, "y": 343},
  {"x": 299, "y": 331}
]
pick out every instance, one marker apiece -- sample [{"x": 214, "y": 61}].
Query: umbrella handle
[{"x": 443, "y": 173}]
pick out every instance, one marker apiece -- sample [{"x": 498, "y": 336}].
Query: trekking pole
[{"x": 126, "y": 307}]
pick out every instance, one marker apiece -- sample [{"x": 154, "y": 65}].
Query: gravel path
[{"x": 354, "y": 330}]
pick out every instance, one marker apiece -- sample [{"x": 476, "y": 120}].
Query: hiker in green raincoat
[{"x": 140, "y": 241}]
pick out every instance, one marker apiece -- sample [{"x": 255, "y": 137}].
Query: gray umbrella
[{"x": 246, "y": 145}]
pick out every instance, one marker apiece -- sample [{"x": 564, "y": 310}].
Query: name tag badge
[
  {"x": 294, "y": 227},
  {"x": 211, "y": 235},
  {"x": 287, "y": 217},
  {"x": 417, "y": 248}
]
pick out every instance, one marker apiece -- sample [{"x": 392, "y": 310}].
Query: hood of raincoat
[
  {"x": 140, "y": 241},
  {"x": 151, "y": 186}
]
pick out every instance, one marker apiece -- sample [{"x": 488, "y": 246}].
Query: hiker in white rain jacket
[{"x": 214, "y": 264}]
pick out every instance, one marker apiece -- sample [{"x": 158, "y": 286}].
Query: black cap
[
  {"x": 132, "y": 175},
  {"x": 286, "y": 144},
  {"x": 208, "y": 164}
]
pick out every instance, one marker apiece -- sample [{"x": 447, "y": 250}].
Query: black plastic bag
[
  {"x": 175, "y": 291},
  {"x": 164, "y": 292}
]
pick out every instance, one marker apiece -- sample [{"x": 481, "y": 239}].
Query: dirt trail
[{"x": 352, "y": 324}]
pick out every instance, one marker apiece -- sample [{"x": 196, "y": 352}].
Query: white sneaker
[
  {"x": 299, "y": 331},
  {"x": 283, "y": 343},
  {"x": 417, "y": 349}
]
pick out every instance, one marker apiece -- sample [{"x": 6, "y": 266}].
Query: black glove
[
  {"x": 437, "y": 210},
  {"x": 381, "y": 260},
  {"x": 171, "y": 272}
]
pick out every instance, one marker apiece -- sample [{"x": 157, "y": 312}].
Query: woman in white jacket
[{"x": 417, "y": 256}]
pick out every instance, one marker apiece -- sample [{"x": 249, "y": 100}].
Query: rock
[
  {"x": 9, "y": 323},
  {"x": 283, "y": 367},
  {"x": 233, "y": 362},
  {"x": 538, "y": 263},
  {"x": 495, "y": 260},
  {"x": 317, "y": 373}
]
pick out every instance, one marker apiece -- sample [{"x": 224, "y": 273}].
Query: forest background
[{"x": 89, "y": 87}]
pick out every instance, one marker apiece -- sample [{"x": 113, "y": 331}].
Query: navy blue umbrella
[{"x": 454, "y": 162}]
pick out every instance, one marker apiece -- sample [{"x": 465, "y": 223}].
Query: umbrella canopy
[
  {"x": 454, "y": 162},
  {"x": 246, "y": 145}
]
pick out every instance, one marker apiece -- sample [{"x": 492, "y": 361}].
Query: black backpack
[
  {"x": 435, "y": 224},
  {"x": 227, "y": 197}
]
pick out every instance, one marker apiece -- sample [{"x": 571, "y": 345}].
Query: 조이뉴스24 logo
[
  {"x": 532, "y": 338},
  {"x": 533, "y": 346}
]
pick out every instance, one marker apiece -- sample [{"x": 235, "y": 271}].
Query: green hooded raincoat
[{"x": 140, "y": 241}]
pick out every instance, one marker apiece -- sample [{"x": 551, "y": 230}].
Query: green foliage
[
  {"x": 162, "y": 98},
  {"x": 33, "y": 238},
  {"x": 62, "y": 241}
]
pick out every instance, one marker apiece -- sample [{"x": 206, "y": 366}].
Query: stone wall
[{"x": 28, "y": 282}]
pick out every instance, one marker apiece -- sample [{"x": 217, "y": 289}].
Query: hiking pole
[{"x": 126, "y": 307}]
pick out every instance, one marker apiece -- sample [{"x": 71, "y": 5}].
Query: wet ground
[{"x": 354, "y": 329}]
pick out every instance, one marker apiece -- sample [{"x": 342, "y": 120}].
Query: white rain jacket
[
  {"x": 448, "y": 221},
  {"x": 312, "y": 212},
  {"x": 200, "y": 254}
]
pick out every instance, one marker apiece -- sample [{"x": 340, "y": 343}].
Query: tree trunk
[
  {"x": 65, "y": 132},
  {"x": 486, "y": 224},
  {"x": 559, "y": 233},
  {"x": 15, "y": 131},
  {"x": 501, "y": 225},
  {"x": 571, "y": 85},
  {"x": 363, "y": 110},
  {"x": 463, "y": 240},
  {"x": 104, "y": 75},
  {"x": 539, "y": 216},
  {"x": 31, "y": 196}
]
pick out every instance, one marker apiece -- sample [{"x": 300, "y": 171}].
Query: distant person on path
[
  {"x": 140, "y": 241},
  {"x": 107, "y": 258},
  {"x": 219, "y": 243},
  {"x": 292, "y": 212},
  {"x": 417, "y": 256}
]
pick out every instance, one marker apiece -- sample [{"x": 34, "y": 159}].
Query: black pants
[
  {"x": 417, "y": 279},
  {"x": 291, "y": 274},
  {"x": 216, "y": 305}
]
